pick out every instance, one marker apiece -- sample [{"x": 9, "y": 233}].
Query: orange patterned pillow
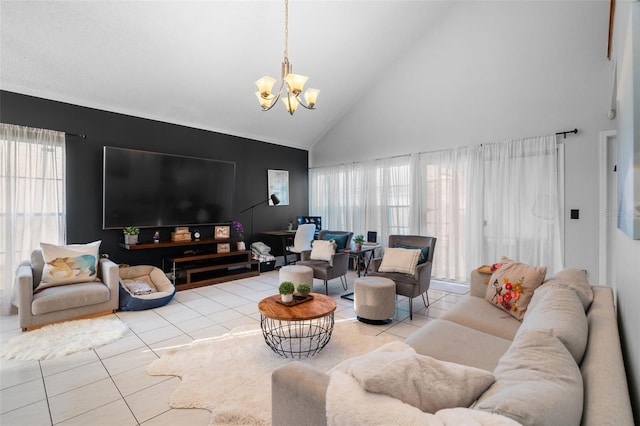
[{"x": 511, "y": 286}]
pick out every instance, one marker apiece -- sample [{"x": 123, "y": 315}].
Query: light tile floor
[{"x": 109, "y": 385}]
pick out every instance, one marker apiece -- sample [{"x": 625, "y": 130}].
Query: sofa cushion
[
  {"x": 418, "y": 380},
  {"x": 560, "y": 312},
  {"x": 576, "y": 280},
  {"x": 537, "y": 383},
  {"x": 323, "y": 249},
  {"x": 448, "y": 341},
  {"x": 400, "y": 260},
  {"x": 75, "y": 263},
  {"x": 476, "y": 313},
  {"x": 512, "y": 285}
]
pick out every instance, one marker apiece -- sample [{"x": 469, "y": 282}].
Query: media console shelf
[{"x": 200, "y": 269}]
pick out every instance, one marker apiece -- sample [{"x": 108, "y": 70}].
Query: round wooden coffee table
[{"x": 300, "y": 330}]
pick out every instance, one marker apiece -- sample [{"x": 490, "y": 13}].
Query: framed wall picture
[
  {"x": 221, "y": 232},
  {"x": 278, "y": 181},
  {"x": 223, "y": 248}
]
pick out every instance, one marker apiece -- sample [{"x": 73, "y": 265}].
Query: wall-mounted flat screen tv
[{"x": 150, "y": 189}]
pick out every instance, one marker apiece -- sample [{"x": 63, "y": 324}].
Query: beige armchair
[
  {"x": 407, "y": 285},
  {"x": 63, "y": 302}
]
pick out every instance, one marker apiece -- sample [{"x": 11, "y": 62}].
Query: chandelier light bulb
[
  {"x": 265, "y": 86},
  {"x": 310, "y": 97}
]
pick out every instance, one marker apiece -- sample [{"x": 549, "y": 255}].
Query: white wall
[{"x": 493, "y": 71}]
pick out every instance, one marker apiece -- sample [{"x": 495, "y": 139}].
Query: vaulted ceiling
[{"x": 194, "y": 63}]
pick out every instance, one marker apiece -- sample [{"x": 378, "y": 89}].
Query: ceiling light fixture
[{"x": 294, "y": 82}]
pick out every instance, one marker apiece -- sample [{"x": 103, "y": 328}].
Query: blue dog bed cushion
[{"x": 144, "y": 287}]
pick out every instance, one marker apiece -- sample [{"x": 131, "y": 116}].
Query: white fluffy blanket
[{"x": 355, "y": 395}]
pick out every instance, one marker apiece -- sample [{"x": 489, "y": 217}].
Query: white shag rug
[
  {"x": 230, "y": 375},
  {"x": 62, "y": 339}
]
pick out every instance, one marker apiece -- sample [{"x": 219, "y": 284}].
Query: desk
[{"x": 283, "y": 235}]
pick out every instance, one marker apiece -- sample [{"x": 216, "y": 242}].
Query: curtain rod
[
  {"x": 574, "y": 131},
  {"x": 80, "y": 135}
]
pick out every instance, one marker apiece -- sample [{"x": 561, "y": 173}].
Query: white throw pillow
[
  {"x": 323, "y": 250},
  {"x": 400, "y": 260},
  {"x": 75, "y": 263},
  {"x": 418, "y": 380}
]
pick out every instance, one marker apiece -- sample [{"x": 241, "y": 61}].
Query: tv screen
[{"x": 150, "y": 189}]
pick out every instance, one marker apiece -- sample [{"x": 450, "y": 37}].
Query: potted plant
[
  {"x": 304, "y": 289},
  {"x": 237, "y": 226},
  {"x": 131, "y": 234},
  {"x": 286, "y": 290},
  {"x": 359, "y": 239}
]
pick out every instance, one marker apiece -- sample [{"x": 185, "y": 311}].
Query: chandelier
[{"x": 294, "y": 82}]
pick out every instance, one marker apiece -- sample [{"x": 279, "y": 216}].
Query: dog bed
[{"x": 144, "y": 287}]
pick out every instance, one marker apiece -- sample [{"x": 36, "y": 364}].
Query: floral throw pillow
[{"x": 511, "y": 286}]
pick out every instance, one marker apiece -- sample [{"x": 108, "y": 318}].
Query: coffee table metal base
[{"x": 297, "y": 339}]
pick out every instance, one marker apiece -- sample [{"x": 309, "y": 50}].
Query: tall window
[
  {"x": 32, "y": 200},
  {"x": 481, "y": 203}
]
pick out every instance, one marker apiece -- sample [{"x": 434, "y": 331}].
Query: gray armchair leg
[
  {"x": 411, "y": 309},
  {"x": 426, "y": 303},
  {"x": 343, "y": 280}
]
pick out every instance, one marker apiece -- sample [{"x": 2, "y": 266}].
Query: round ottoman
[
  {"x": 297, "y": 274},
  {"x": 374, "y": 299}
]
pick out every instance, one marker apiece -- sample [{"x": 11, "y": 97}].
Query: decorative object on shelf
[
  {"x": 223, "y": 248},
  {"x": 131, "y": 234},
  {"x": 181, "y": 234},
  {"x": 273, "y": 198},
  {"x": 237, "y": 226},
  {"x": 294, "y": 82},
  {"x": 156, "y": 237},
  {"x": 241, "y": 246},
  {"x": 286, "y": 290},
  {"x": 304, "y": 289},
  {"x": 359, "y": 240},
  {"x": 290, "y": 226},
  {"x": 196, "y": 235},
  {"x": 221, "y": 232}
]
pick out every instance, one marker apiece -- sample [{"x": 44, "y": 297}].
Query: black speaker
[{"x": 372, "y": 237}]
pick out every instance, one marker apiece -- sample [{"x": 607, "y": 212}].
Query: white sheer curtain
[
  {"x": 451, "y": 196},
  {"x": 482, "y": 202},
  {"x": 32, "y": 197},
  {"x": 521, "y": 202}
]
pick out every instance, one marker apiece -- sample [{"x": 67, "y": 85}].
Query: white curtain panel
[
  {"x": 32, "y": 197},
  {"x": 521, "y": 202}
]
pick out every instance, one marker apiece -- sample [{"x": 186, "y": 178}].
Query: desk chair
[{"x": 301, "y": 242}]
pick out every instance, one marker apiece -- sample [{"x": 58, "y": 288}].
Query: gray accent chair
[
  {"x": 63, "y": 302},
  {"x": 328, "y": 270},
  {"x": 407, "y": 285}
]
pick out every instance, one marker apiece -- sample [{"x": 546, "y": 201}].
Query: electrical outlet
[{"x": 575, "y": 214}]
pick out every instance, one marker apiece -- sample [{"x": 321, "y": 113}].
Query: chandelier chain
[{"x": 286, "y": 30}]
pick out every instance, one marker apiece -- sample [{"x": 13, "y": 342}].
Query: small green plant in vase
[
  {"x": 131, "y": 234},
  {"x": 359, "y": 239},
  {"x": 304, "y": 289},
  {"x": 286, "y": 290}
]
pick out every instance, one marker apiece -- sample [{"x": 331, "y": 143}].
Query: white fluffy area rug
[
  {"x": 230, "y": 375},
  {"x": 62, "y": 339}
]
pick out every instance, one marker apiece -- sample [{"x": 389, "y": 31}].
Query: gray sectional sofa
[{"x": 578, "y": 379}]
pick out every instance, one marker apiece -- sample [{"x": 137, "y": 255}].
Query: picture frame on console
[
  {"x": 223, "y": 248},
  {"x": 221, "y": 232}
]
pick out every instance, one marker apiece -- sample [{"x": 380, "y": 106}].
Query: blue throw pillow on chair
[
  {"x": 424, "y": 255},
  {"x": 340, "y": 239}
]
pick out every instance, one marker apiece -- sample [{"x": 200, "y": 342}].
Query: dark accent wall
[{"x": 84, "y": 168}]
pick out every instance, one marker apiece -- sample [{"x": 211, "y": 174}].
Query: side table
[{"x": 300, "y": 330}]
